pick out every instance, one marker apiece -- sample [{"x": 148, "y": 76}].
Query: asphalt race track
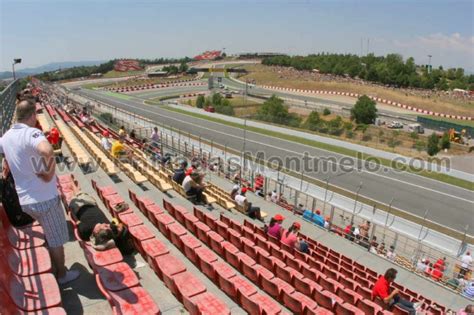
[{"x": 448, "y": 205}]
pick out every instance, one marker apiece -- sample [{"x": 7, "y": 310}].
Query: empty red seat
[
  {"x": 244, "y": 287},
  {"x": 24, "y": 238},
  {"x": 28, "y": 262},
  {"x": 266, "y": 304},
  {"x": 106, "y": 191},
  {"x": 347, "y": 309},
  {"x": 224, "y": 275},
  {"x": 329, "y": 284},
  {"x": 143, "y": 202},
  {"x": 249, "y": 248},
  {"x": 190, "y": 243},
  {"x": 234, "y": 238},
  {"x": 326, "y": 299},
  {"x": 248, "y": 233},
  {"x": 117, "y": 276},
  {"x": 33, "y": 293},
  {"x": 348, "y": 283},
  {"x": 187, "y": 285},
  {"x": 189, "y": 221},
  {"x": 130, "y": 219},
  {"x": 215, "y": 242},
  {"x": 199, "y": 214},
  {"x": 153, "y": 248},
  {"x": 364, "y": 292},
  {"x": 369, "y": 307},
  {"x": 235, "y": 225},
  {"x": 246, "y": 266},
  {"x": 176, "y": 230},
  {"x": 298, "y": 302},
  {"x": 179, "y": 212},
  {"x": 210, "y": 220},
  {"x": 274, "y": 286},
  {"x": 163, "y": 220},
  {"x": 168, "y": 266},
  {"x": 222, "y": 229},
  {"x": 306, "y": 286},
  {"x": 206, "y": 304},
  {"x": 134, "y": 300},
  {"x": 139, "y": 234},
  {"x": 152, "y": 211},
  {"x": 102, "y": 258},
  {"x": 262, "y": 243},
  {"x": 348, "y": 296},
  {"x": 201, "y": 231},
  {"x": 206, "y": 258}
]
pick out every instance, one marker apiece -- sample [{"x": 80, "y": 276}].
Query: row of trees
[
  {"x": 389, "y": 70},
  {"x": 220, "y": 104},
  {"x": 85, "y": 71}
]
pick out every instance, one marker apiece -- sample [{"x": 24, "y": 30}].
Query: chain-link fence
[
  {"x": 293, "y": 192},
  {"x": 7, "y": 104}
]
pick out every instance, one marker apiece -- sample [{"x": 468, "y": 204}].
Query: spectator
[
  {"x": 440, "y": 264},
  {"x": 290, "y": 236},
  {"x": 421, "y": 265},
  {"x": 179, "y": 174},
  {"x": 364, "y": 232},
  {"x": 381, "y": 290},
  {"x": 119, "y": 151},
  {"x": 105, "y": 142},
  {"x": 274, "y": 197},
  {"x": 391, "y": 253},
  {"x": 31, "y": 160},
  {"x": 381, "y": 249},
  {"x": 155, "y": 137},
  {"x": 318, "y": 219},
  {"x": 132, "y": 134},
  {"x": 193, "y": 188},
  {"x": 327, "y": 222},
  {"x": 122, "y": 133},
  {"x": 466, "y": 261},
  {"x": 274, "y": 228},
  {"x": 436, "y": 274},
  {"x": 234, "y": 191},
  {"x": 53, "y": 137},
  {"x": 469, "y": 289},
  {"x": 468, "y": 310},
  {"x": 373, "y": 245},
  {"x": 269, "y": 197},
  {"x": 251, "y": 211}
]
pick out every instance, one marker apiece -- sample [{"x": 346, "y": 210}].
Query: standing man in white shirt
[
  {"x": 155, "y": 137},
  {"x": 32, "y": 164},
  {"x": 466, "y": 262}
]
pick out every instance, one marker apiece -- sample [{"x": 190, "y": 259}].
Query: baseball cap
[
  {"x": 279, "y": 217},
  {"x": 244, "y": 190},
  {"x": 297, "y": 225},
  {"x": 106, "y": 133}
]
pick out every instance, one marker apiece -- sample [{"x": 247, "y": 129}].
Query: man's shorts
[{"x": 52, "y": 219}]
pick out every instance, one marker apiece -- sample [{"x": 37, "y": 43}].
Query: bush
[
  {"x": 445, "y": 143},
  {"x": 419, "y": 145},
  {"x": 313, "y": 122},
  {"x": 432, "y": 147},
  {"x": 326, "y": 112},
  {"x": 366, "y": 137},
  {"x": 273, "y": 110},
  {"x": 200, "y": 101},
  {"x": 364, "y": 110},
  {"x": 348, "y": 125},
  {"x": 362, "y": 127},
  {"x": 414, "y": 135},
  {"x": 393, "y": 142},
  {"x": 349, "y": 134}
]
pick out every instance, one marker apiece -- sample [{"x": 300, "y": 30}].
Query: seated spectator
[
  {"x": 391, "y": 253},
  {"x": 105, "y": 142},
  {"x": 251, "y": 211},
  {"x": 327, "y": 222},
  {"x": 469, "y": 289},
  {"x": 132, "y": 134},
  {"x": 122, "y": 133},
  {"x": 421, "y": 265},
  {"x": 290, "y": 236},
  {"x": 318, "y": 219},
  {"x": 440, "y": 264},
  {"x": 119, "y": 151},
  {"x": 381, "y": 249},
  {"x": 274, "y": 197},
  {"x": 468, "y": 310},
  {"x": 194, "y": 188},
  {"x": 373, "y": 245},
  {"x": 436, "y": 274},
  {"x": 53, "y": 137},
  {"x": 155, "y": 137},
  {"x": 274, "y": 228},
  {"x": 381, "y": 290},
  {"x": 268, "y": 197},
  {"x": 298, "y": 209},
  {"x": 466, "y": 262},
  {"x": 179, "y": 174},
  {"x": 364, "y": 231},
  {"x": 234, "y": 191},
  {"x": 428, "y": 269},
  {"x": 194, "y": 167}
]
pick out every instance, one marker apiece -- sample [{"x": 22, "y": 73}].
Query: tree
[
  {"x": 326, "y": 111},
  {"x": 364, "y": 111},
  {"x": 432, "y": 147},
  {"x": 200, "y": 101},
  {"x": 445, "y": 143},
  {"x": 274, "y": 110},
  {"x": 420, "y": 145},
  {"x": 313, "y": 122},
  {"x": 183, "y": 67},
  {"x": 216, "y": 99}
]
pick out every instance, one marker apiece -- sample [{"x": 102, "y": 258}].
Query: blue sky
[{"x": 47, "y": 31}]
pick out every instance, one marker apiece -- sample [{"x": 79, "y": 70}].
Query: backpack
[{"x": 11, "y": 203}]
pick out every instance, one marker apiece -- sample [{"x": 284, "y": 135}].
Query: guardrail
[
  {"x": 7, "y": 105},
  {"x": 409, "y": 249}
]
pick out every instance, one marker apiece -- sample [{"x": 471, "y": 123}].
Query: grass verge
[{"x": 333, "y": 148}]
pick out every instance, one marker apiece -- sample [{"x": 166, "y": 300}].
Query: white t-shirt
[
  {"x": 19, "y": 146},
  {"x": 240, "y": 200},
  {"x": 106, "y": 143},
  {"x": 274, "y": 197},
  {"x": 187, "y": 183},
  {"x": 466, "y": 261}
]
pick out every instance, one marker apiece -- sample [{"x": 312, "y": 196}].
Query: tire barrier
[{"x": 150, "y": 86}]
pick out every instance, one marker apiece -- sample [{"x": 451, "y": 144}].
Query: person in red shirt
[
  {"x": 381, "y": 290},
  {"x": 436, "y": 274},
  {"x": 440, "y": 264}
]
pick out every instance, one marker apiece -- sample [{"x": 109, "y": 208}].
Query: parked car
[{"x": 395, "y": 125}]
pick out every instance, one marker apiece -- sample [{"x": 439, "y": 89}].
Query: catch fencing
[{"x": 7, "y": 104}]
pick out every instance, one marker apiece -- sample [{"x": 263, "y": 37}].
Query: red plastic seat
[
  {"x": 153, "y": 248},
  {"x": 275, "y": 286},
  {"x": 28, "y": 262},
  {"x": 235, "y": 225},
  {"x": 328, "y": 284},
  {"x": 249, "y": 248},
  {"x": 131, "y": 194},
  {"x": 306, "y": 286},
  {"x": 244, "y": 288},
  {"x": 186, "y": 285},
  {"x": 224, "y": 274},
  {"x": 139, "y": 234},
  {"x": 348, "y": 283},
  {"x": 24, "y": 238},
  {"x": 348, "y": 296},
  {"x": 168, "y": 206},
  {"x": 248, "y": 233},
  {"x": 176, "y": 230},
  {"x": 206, "y": 258},
  {"x": 189, "y": 221},
  {"x": 106, "y": 191},
  {"x": 215, "y": 242},
  {"x": 364, "y": 292},
  {"x": 234, "y": 238},
  {"x": 152, "y": 211},
  {"x": 347, "y": 309},
  {"x": 168, "y": 266},
  {"x": 210, "y": 220},
  {"x": 266, "y": 304},
  {"x": 143, "y": 202},
  {"x": 130, "y": 219},
  {"x": 396, "y": 310},
  {"x": 163, "y": 220},
  {"x": 247, "y": 266},
  {"x": 201, "y": 231},
  {"x": 32, "y": 293},
  {"x": 102, "y": 258},
  {"x": 326, "y": 299},
  {"x": 262, "y": 243},
  {"x": 117, "y": 277},
  {"x": 369, "y": 307},
  {"x": 190, "y": 243},
  {"x": 297, "y": 302},
  {"x": 134, "y": 300},
  {"x": 249, "y": 304},
  {"x": 206, "y": 304},
  {"x": 199, "y": 214},
  {"x": 179, "y": 212},
  {"x": 222, "y": 229}
]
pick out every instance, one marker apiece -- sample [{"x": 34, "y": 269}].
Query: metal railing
[{"x": 7, "y": 105}]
